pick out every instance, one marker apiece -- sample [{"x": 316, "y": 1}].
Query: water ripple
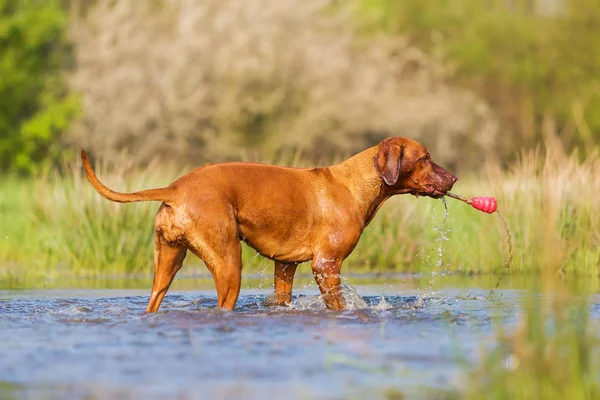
[{"x": 102, "y": 345}]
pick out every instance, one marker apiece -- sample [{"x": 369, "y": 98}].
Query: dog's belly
[{"x": 287, "y": 249}]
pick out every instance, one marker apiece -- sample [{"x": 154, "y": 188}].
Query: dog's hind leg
[
  {"x": 227, "y": 272},
  {"x": 226, "y": 269},
  {"x": 218, "y": 245},
  {"x": 168, "y": 259}
]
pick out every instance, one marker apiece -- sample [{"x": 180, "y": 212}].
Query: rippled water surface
[{"x": 99, "y": 343}]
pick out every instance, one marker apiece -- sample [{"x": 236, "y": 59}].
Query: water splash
[
  {"x": 262, "y": 270},
  {"x": 383, "y": 305},
  {"x": 442, "y": 237},
  {"x": 438, "y": 265},
  {"x": 257, "y": 271},
  {"x": 353, "y": 300}
]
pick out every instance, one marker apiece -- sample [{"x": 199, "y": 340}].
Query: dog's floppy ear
[{"x": 389, "y": 162}]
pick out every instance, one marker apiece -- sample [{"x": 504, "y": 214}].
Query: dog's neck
[{"x": 369, "y": 190}]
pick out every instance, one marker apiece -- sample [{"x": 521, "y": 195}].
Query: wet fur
[{"x": 289, "y": 215}]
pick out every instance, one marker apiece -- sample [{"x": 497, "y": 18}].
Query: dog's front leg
[
  {"x": 284, "y": 279},
  {"x": 327, "y": 274}
]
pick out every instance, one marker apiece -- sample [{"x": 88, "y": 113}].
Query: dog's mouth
[
  {"x": 436, "y": 194},
  {"x": 434, "y": 188},
  {"x": 433, "y": 193}
]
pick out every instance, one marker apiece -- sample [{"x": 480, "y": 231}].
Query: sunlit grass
[
  {"x": 57, "y": 224},
  {"x": 16, "y": 196},
  {"x": 58, "y": 229}
]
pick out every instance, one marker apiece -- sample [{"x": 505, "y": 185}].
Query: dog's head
[{"x": 405, "y": 166}]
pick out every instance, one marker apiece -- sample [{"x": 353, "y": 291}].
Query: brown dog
[{"x": 289, "y": 215}]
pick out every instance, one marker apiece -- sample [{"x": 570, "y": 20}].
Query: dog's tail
[{"x": 163, "y": 194}]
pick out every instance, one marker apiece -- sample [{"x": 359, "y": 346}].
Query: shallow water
[{"x": 98, "y": 343}]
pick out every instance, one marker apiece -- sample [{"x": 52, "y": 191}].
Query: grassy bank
[{"x": 57, "y": 224}]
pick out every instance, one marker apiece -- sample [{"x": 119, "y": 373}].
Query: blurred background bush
[
  {"x": 36, "y": 106},
  {"x": 213, "y": 80}
]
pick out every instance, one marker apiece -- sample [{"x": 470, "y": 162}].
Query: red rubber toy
[{"x": 485, "y": 204}]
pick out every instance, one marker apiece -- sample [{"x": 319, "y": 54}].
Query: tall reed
[
  {"x": 87, "y": 234},
  {"x": 548, "y": 197},
  {"x": 552, "y": 200}
]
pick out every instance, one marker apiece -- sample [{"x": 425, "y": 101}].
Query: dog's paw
[{"x": 274, "y": 299}]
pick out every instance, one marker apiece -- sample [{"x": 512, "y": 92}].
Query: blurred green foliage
[
  {"x": 536, "y": 62},
  {"x": 35, "y": 106}
]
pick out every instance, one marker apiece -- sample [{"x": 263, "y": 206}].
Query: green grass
[
  {"x": 57, "y": 225},
  {"x": 56, "y": 229}
]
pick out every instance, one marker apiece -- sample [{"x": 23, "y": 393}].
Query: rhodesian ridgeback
[{"x": 289, "y": 215}]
